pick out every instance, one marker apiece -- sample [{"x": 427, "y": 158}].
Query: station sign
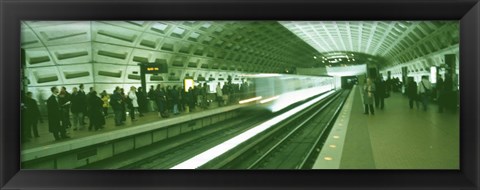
[{"x": 155, "y": 68}]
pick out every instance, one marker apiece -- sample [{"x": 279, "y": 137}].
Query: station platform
[
  {"x": 46, "y": 138},
  {"x": 113, "y": 139},
  {"x": 394, "y": 138}
]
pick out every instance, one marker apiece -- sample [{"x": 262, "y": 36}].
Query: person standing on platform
[
  {"x": 133, "y": 103},
  {"x": 411, "y": 92},
  {"x": 190, "y": 96},
  {"x": 77, "y": 109},
  {"x": 123, "y": 104},
  {"x": 142, "y": 101},
  {"x": 116, "y": 103},
  {"x": 95, "y": 105},
  {"x": 82, "y": 97},
  {"x": 175, "y": 99},
  {"x": 55, "y": 125},
  {"x": 169, "y": 98},
  {"x": 439, "y": 87},
  {"x": 379, "y": 93},
  {"x": 90, "y": 95},
  {"x": 424, "y": 90},
  {"x": 225, "y": 96},
  {"x": 105, "y": 98},
  {"x": 219, "y": 95},
  {"x": 368, "y": 95},
  {"x": 450, "y": 100},
  {"x": 65, "y": 108},
  {"x": 66, "y": 97},
  {"x": 32, "y": 113},
  {"x": 160, "y": 99},
  {"x": 151, "y": 96},
  {"x": 181, "y": 98}
]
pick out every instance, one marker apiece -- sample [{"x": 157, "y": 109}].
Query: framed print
[{"x": 239, "y": 94}]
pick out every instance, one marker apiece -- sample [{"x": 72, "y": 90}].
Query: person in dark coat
[
  {"x": 449, "y": 100},
  {"x": 142, "y": 101},
  {"x": 151, "y": 96},
  {"x": 95, "y": 105},
  {"x": 89, "y": 95},
  {"x": 175, "y": 100},
  {"x": 64, "y": 102},
  {"x": 161, "y": 101},
  {"x": 82, "y": 103},
  {"x": 116, "y": 103},
  {"x": 412, "y": 94},
  {"x": 65, "y": 97},
  {"x": 190, "y": 97},
  {"x": 169, "y": 101},
  {"x": 182, "y": 99},
  {"x": 123, "y": 104},
  {"x": 32, "y": 113},
  {"x": 55, "y": 125},
  {"x": 440, "y": 93},
  {"x": 379, "y": 93},
  {"x": 77, "y": 109}
]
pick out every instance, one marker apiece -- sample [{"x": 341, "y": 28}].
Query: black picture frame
[{"x": 466, "y": 11}]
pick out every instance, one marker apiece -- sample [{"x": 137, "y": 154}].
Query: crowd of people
[
  {"x": 68, "y": 110},
  {"x": 423, "y": 92}
]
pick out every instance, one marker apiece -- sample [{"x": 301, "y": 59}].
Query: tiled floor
[
  {"x": 401, "y": 138},
  {"x": 46, "y": 138}
]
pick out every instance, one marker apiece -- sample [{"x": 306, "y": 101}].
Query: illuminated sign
[
  {"x": 154, "y": 68},
  {"x": 187, "y": 83}
]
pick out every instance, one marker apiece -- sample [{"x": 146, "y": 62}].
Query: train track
[
  {"x": 292, "y": 145},
  {"x": 197, "y": 143},
  {"x": 170, "y": 152}
]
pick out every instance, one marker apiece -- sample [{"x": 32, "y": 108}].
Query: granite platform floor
[{"x": 401, "y": 138}]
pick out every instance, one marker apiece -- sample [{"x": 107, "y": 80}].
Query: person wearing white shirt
[
  {"x": 133, "y": 103},
  {"x": 424, "y": 89}
]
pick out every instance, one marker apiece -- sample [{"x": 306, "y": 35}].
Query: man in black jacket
[
  {"x": 152, "y": 98},
  {"x": 55, "y": 125},
  {"x": 32, "y": 114},
  {"x": 116, "y": 103},
  {"x": 83, "y": 104},
  {"x": 379, "y": 93},
  {"x": 77, "y": 109}
]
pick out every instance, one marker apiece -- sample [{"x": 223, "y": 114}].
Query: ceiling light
[{"x": 315, "y": 57}]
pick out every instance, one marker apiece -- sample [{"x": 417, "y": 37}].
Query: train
[{"x": 278, "y": 91}]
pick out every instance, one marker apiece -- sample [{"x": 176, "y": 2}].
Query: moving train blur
[
  {"x": 277, "y": 91},
  {"x": 245, "y": 94}
]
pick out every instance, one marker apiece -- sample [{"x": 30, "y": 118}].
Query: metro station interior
[{"x": 240, "y": 95}]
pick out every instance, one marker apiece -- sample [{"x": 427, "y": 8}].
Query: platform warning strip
[{"x": 331, "y": 154}]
